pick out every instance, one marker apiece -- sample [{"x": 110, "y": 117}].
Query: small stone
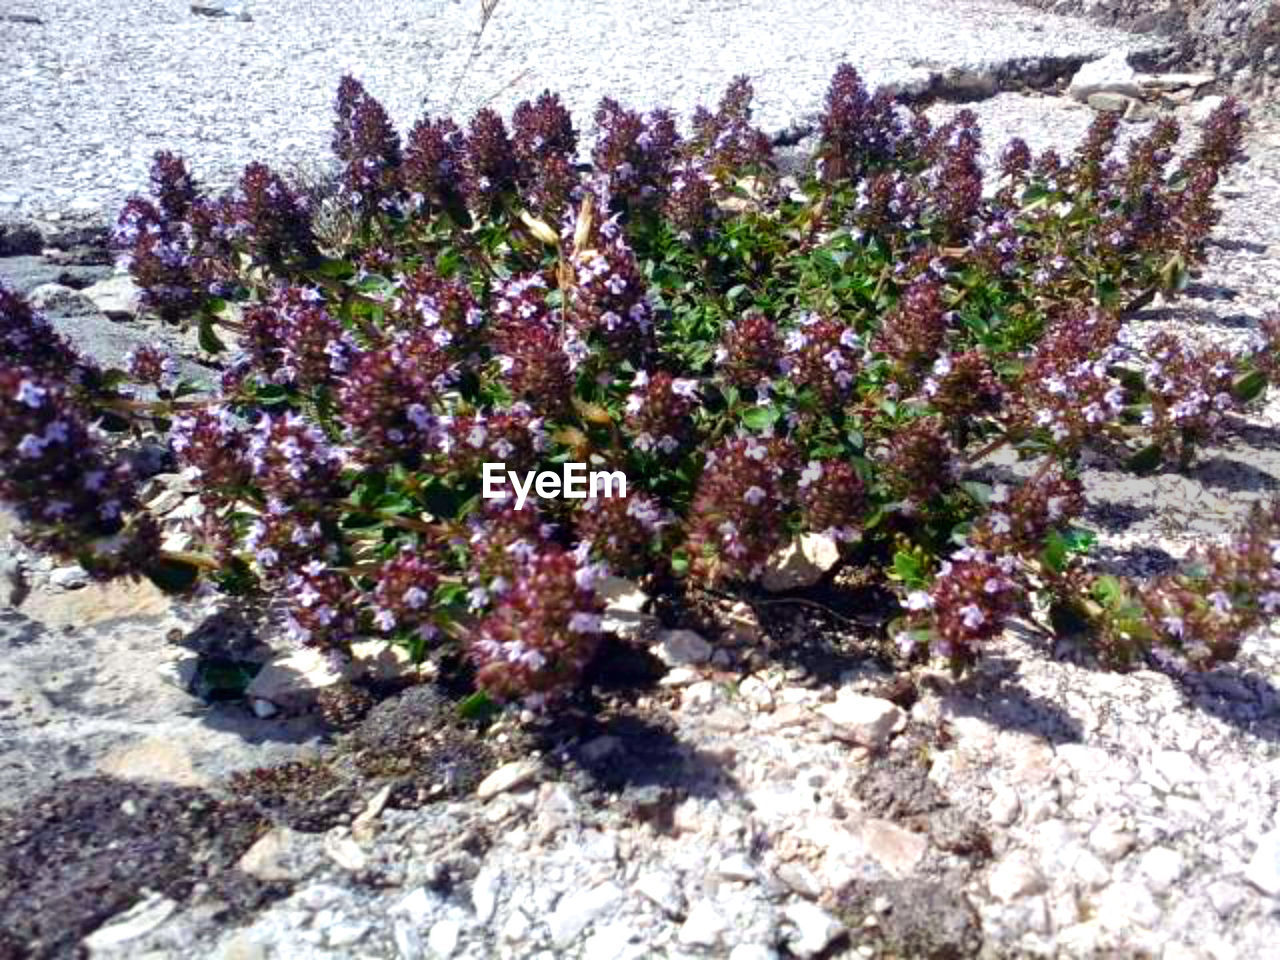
[
  {"x": 263, "y": 709},
  {"x": 897, "y": 850},
  {"x": 867, "y": 721},
  {"x": 416, "y": 905},
  {"x": 1004, "y": 807},
  {"x": 815, "y": 928},
  {"x": 1110, "y": 74},
  {"x": 269, "y": 859},
  {"x": 624, "y": 604},
  {"x": 116, "y": 297},
  {"x": 222, "y": 9},
  {"x": 507, "y": 777},
  {"x": 1017, "y": 875},
  {"x": 1264, "y": 866},
  {"x": 680, "y": 677},
  {"x": 1225, "y": 897},
  {"x": 1162, "y": 868},
  {"x": 681, "y": 648},
  {"x": 756, "y": 692},
  {"x": 704, "y": 926},
  {"x": 70, "y": 578},
  {"x": 443, "y": 937},
  {"x": 157, "y": 759},
  {"x": 661, "y": 889},
  {"x": 484, "y": 893},
  {"x": 802, "y": 563},
  {"x": 1200, "y": 111},
  {"x": 347, "y": 934},
  {"x": 135, "y": 922},
  {"x": 753, "y": 951},
  {"x": 293, "y": 681},
  {"x": 736, "y": 867},
  {"x": 1176, "y": 767},
  {"x": 1107, "y": 102},
  {"x": 576, "y": 910},
  {"x": 1110, "y": 840},
  {"x": 516, "y": 928},
  {"x": 346, "y": 853}
]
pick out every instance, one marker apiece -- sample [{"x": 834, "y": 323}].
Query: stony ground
[{"x": 776, "y": 792}]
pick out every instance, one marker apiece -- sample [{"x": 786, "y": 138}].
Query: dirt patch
[
  {"x": 70, "y": 859},
  {"x": 921, "y": 919}
]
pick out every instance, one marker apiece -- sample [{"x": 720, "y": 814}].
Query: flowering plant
[{"x": 764, "y": 357}]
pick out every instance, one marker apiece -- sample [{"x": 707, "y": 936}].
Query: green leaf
[
  {"x": 1249, "y": 386},
  {"x": 980, "y": 492},
  {"x": 477, "y": 707},
  {"x": 1145, "y": 460},
  {"x": 1055, "y": 553},
  {"x": 172, "y": 575},
  {"x": 207, "y": 337},
  {"x": 761, "y": 418}
]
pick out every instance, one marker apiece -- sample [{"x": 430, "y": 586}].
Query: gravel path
[{"x": 88, "y": 95}]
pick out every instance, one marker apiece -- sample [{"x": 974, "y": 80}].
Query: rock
[
  {"x": 1199, "y": 111},
  {"x": 756, "y": 692},
  {"x": 1139, "y": 112},
  {"x": 345, "y": 852},
  {"x": 269, "y": 859},
  {"x": 624, "y": 604},
  {"x": 1110, "y": 74},
  {"x": 292, "y": 682},
  {"x": 753, "y": 951},
  {"x": 1225, "y": 897},
  {"x": 613, "y": 941},
  {"x": 1263, "y": 870},
  {"x": 135, "y": 922},
  {"x": 1176, "y": 767},
  {"x": 1110, "y": 840},
  {"x": 1107, "y": 102},
  {"x": 508, "y": 777},
  {"x": 801, "y": 563},
  {"x": 62, "y": 300},
  {"x": 1004, "y": 807},
  {"x": 704, "y": 927},
  {"x": 815, "y": 928},
  {"x": 116, "y": 297},
  {"x": 867, "y": 721},
  {"x": 576, "y": 910},
  {"x": 157, "y": 759},
  {"x": 1017, "y": 875},
  {"x": 70, "y": 578},
  {"x": 516, "y": 928},
  {"x": 681, "y": 648},
  {"x": 1162, "y": 868},
  {"x": 484, "y": 893},
  {"x": 1174, "y": 81},
  {"x": 737, "y": 867},
  {"x": 347, "y": 934},
  {"x": 382, "y": 662},
  {"x": 19, "y": 239},
  {"x": 416, "y": 906},
  {"x": 897, "y": 850},
  {"x": 222, "y": 9},
  {"x": 443, "y": 937},
  {"x": 661, "y": 889}
]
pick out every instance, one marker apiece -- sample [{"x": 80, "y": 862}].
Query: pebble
[
  {"x": 815, "y": 928},
  {"x": 704, "y": 927},
  {"x": 443, "y": 937},
  {"x": 1264, "y": 866},
  {"x": 1017, "y": 875},
  {"x": 507, "y": 777},
  {"x": 661, "y": 889},
  {"x": 484, "y": 893},
  {"x": 1162, "y": 867},
  {"x": 69, "y": 578},
  {"x": 681, "y": 648},
  {"x": 576, "y": 910},
  {"x": 867, "y": 721}
]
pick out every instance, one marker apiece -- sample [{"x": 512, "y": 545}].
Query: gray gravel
[{"x": 88, "y": 95}]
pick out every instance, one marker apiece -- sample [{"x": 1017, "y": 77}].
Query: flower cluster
[
  {"x": 970, "y": 601},
  {"x": 749, "y": 350},
  {"x": 434, "y": 157},
  {"x": 832, "y": 498},
  {"x": 151, "y": 365},
  {"x": 920, "y": 462},
  {"x": 610, "y": 301},
  {"x": 367, "y": 145},
  {"x": 542, "y": 631},
  {"x": 625, "y": 532},
  {"x": 291, "y": 459},
  {"x": 322, "y": 607},
  {"x": 634, "y": 154},
  {"x": 545, "y": 146},
  {"x": 860, "y": 131},
  {"x": 1017, "y": 522},
  {"x": 823, "y": 355},
  {"x": 404, "y": 592},
  {"x": 659, "y": 410},
  {"x": 1189, "y": 392},
  {"x": 725, "y": 141},
  {"x": 963, "y": 385},
  {"x": 913, "y": 332},
  {"x": 514, "y": 436},
  {"x": 735, "y": 519},
  {"x": 490, "y": 165}
]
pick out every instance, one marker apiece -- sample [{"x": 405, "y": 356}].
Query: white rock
[
  {"x": 1264, "y": 866},
  {"x": 1162, "y": 868},
  {"x": 1107, "y": 102},
  {"x": 1111, "y": 840},
  {"x": 897, "y": 850},
  {"x": 736, "y": 867},
  {"x": 263, "y": 709},
  {"x": 69, "y": 578},
  {"x": 382, "y": 661},
  {"x": 1111, "y": 74},
  {"x": 348, "y": 933},
  {"x": 484, "y": 892},
  {"x": 293, "y": 681},
  {"x": 269, "y": 857},
  {"x": 815, "y": 928},
  {"x": 681, "y": 648},
  {"x": 661, "y": 889},
  {"x": 867, "y": 721},
  {"x": 1017, "y": 875},
  {"x": 801, "y": 563},
  {"x": 417, "y": 906},
  {"x": 704, "y": 927},
  {"x": 1176, "y": 767},
  {"x": 137, "y": 921},
  {"x": 612, "y": 942},
  {"x": 509, "y": 776},
  {"x": 345, "y": 852},
  {"x": 757, "y": 693},
  {"x": 1199, "y": 111},
  {"x": 624, "y": 604},
  {"x": 117, "y": 297},
  {"x": 1004, "y": 807},
  {"x": 442, "y": 940},
  {"x": 576, "y": 910},
  {"x": 516, "y": 928},
  {"x": 753, "y": 951}
]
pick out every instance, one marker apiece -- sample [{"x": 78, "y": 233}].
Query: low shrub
[{"x": 761, "y": 355}]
